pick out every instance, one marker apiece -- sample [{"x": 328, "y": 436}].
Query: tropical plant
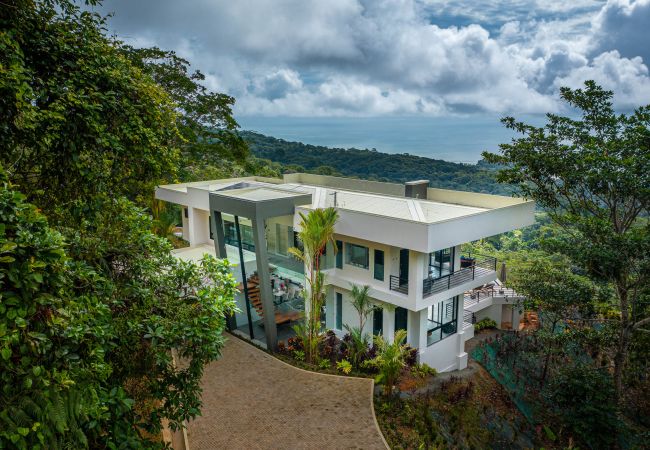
[
  {"x": 357, "y": 345},
  {"x": 316, "y": 231},
  {"x": 344, "y": 366},
  {"x": 390, "y": 360},
  {"x": 362, "y": 303},
  {"x": 484, "y": 324}
]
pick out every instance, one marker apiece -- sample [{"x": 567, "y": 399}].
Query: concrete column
[
  {"x": 389, "y": 323},
  {"x": 330, "y": 305},
  {"x": 416, "y": 271},
  {"x": 462, "y": 356},
  {"x": 199, "y": 225},
  {"x": 219, "y": 238},
  {"x": 457, "y": 255},
  {"x": 186, "y": 223},
  {"x": 190, "y": 226},
  {"x": 265, "y": 284},
  {"x": 417, "y": 329},
  {"x": 413, "y": 328}
]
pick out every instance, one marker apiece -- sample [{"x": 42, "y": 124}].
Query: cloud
[
  {"x": 624, "y": 26},
  {"x": 383, "y": 57}
]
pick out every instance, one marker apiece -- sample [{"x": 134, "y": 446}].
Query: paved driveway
[{"x": 251, "y": 400}]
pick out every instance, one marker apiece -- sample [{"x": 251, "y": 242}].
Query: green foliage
[
  {"x": 94, "y": 306},
  {"x": 374, "y": 165},
  {"x": 361, "y": 303},
  {"x": 78, "y": 118},
  {"x": 357, "y": 346},
  {"x": 206, "y": 127},
  {"x": 422, "y": 370},
  {"x": 52, "y": 335},
  {"x": 344, "y": 366},
  {"x": 592, "y": 176},
  {"x": 583, "y": 397},
  {"x": 324, "y": 364},
  {"x": 390, "y": 360},
  {"x": 484, "y": 324},
  {"x": 316, "y": 231}
]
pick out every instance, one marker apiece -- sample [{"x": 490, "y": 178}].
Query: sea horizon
[{"x": 453, "y": 139}]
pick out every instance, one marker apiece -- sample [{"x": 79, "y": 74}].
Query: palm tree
[
  {"x": 361, "y": 302},
  {"x": 390, "y": 360},
  {"x": 316, "y": 231}
]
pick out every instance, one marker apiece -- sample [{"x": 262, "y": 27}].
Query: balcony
[
  {"x": 478, "y": 267},
  {"x": 399, "y": 284}
]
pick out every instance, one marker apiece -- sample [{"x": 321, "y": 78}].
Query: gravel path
[{"x": 252, "y": 400}]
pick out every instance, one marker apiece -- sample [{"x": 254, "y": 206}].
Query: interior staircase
[{"x": 255, "y": 298}]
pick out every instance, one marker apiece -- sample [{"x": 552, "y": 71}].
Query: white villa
[{"x": 403, "y": 240}]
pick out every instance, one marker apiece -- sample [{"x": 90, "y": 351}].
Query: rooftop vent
[{"x": 416, "y": 189}]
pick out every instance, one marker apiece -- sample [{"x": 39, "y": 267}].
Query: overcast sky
[{"x": 399, "y": 57}]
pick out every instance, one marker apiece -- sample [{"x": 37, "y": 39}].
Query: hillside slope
[{"x": 374, "y": 165}]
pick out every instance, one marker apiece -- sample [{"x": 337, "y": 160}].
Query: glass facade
[
  {"x": 441, "y": 263},
  {"x": 339, "y": 254},
  {"x": 378, "y": 322},
  {"x": 442, "y": 320},
  {"x": 339, "y": 311},
  {"x": 401, "y": 318},
  {"x": 379, "y": 265}
]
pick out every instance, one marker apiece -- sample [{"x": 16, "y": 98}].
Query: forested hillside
[{"x": 374, "y": 165}]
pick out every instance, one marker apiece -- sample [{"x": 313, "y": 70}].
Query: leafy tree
[
  {"x": 85, "y": 133},
  {"x": 79, "y": 120},
  {"x": 592, "y": 175},
  {"x": 316, "y": 231},
  {"x": 207, "y": 130},
  {"x": 583, "y": 397}
]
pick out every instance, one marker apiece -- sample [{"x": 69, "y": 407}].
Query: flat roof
[{"x": 374, "y": 198}]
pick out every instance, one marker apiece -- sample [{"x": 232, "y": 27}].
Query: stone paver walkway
[{"x": 252, "y": 400}]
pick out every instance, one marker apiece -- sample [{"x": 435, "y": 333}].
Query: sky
[{"x": 332, "y": 58}]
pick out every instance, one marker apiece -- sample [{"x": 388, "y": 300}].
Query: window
[
  {"x": 379, "y": 265},
  {"x": 442, "y": 320},
  {"x": 401, "y": 318},
  {"x": 378, "y": 321},
  {"x": 441, "y": 263},
  {"x": 357, "y": 255},
  {"x": 339, "y": 311},
  {"x": 339, "y": 254}
]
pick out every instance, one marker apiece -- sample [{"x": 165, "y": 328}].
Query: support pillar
[
  {"x": 389, "y": 323},
  {"x": 261, "y": 256}
]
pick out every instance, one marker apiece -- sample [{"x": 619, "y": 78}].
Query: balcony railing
[
  {"x": 399, "y": 284},
  {"x": 479, "y": 267}
]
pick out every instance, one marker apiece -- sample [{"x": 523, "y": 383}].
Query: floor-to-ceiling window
[
  {"x": 442, "y": 320},
  {"x": 441, "y": 262}
]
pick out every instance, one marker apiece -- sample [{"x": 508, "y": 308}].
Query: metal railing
[
  {"x": 475, "y": 296},
  {"x": 399, "y": 284},
  {"x": 479, "y": 266},
  {"x": 469, "y": 319}
]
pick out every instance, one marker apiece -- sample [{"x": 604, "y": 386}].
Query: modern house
[{"x": 403, "y": 240}]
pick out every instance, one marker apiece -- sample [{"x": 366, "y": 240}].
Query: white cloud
[{"x": 382, "y": 57}]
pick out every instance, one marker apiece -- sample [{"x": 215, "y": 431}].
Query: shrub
[
  {"x": 299, "y": 355},
  {"x": 324, "y": 364},
  {"x": 344, "y": 366},
  {"x": 485, "y": 324},
  {"x": 422, "y": 370},
  {"x": 411, "y": 356}
]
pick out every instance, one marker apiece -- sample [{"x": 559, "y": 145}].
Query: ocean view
[{"x": 455, "y": 139}]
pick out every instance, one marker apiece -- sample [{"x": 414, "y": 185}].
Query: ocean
[{"x": 456, "y": 139}]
